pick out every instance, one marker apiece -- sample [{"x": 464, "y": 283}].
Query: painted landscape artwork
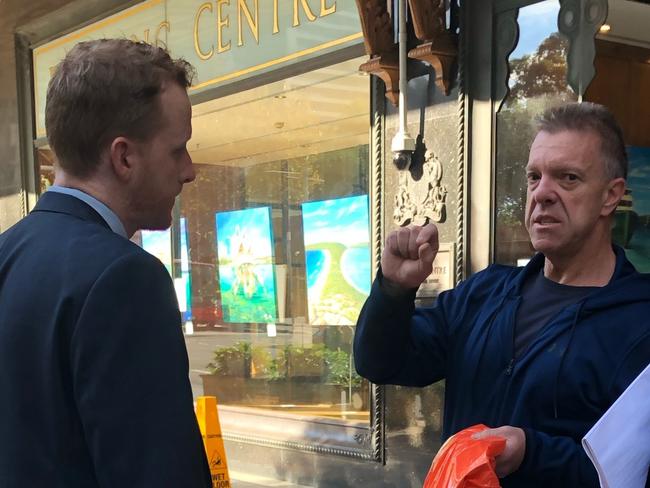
[
  {"x": 185, "y": 270},
  {"x": 159, "y": 243},
  {"x": 337, "y": 256},
  {"x": 632, "y": 218},
  {"x": 245, "y": 258}
]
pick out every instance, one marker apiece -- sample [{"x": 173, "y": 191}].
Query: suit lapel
[{"x": 67, "y": 204}]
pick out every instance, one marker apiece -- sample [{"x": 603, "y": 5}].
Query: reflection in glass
[
  {"x": 278, "y": 240},
  {"x": 45, "y": 160},
  {"x": 621, "y": 81},
  {"x": 632, "y": 219},
  {"x": 537, "y": 81},
  {"x": 184, "y": 287},
  {"x": 159, "y": 244}
]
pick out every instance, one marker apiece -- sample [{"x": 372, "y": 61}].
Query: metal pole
[
  {"x": 403, "y": 79},
  {"x": 403, "y": 144}
]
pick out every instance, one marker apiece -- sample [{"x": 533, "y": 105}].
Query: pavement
[{"x": 242, "y": 480}]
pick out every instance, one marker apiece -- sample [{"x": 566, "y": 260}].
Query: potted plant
[
  {"x": 228, "y": 371},
  {"x": 305, "y": 362},
  {"x": 267, "y": 364}
]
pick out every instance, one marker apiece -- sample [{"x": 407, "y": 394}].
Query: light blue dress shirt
[{"x": 106, "y": 213}]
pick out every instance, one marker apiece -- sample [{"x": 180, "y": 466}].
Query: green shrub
[
  {"x": 231, "y": 360},
  {"x": 245, "y": 360},
  {"x": 339, "y": 369}
]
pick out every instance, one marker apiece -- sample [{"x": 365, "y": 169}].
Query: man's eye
[
  {"x": 571, "y": 177},
  {"x": 532, "y": 177}
]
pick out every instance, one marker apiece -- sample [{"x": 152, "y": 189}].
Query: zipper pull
[{"x": 510, "y": 367}]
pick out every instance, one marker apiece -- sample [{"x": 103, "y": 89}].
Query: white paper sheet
[{"x": 619, "y": 443}]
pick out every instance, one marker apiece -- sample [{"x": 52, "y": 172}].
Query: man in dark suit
[{"x": 94, "y": 387}]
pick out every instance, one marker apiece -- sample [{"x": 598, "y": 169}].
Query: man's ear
[
  {"x": 614, "y": 193},
  {"x": 122, "y": 156}
]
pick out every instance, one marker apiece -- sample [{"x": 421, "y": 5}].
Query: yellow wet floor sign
[{"x": 208, "y": 418}]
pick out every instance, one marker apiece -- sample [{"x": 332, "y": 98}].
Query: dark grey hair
[{"x": 585, "y": 117}]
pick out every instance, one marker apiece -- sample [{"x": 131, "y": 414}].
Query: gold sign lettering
[
  {"x": 296, "y": 12},
  {"x": 163, "y": 25},
  {"x": 134, "y": 37},
  {"x": 325, "y": 10},
  {"x": 248, "y": 16},
  {"x": 242, "y": 7},
  {"x": 222, "y": 21},
  {"x": 276, "y": 25},
  {"x": 227, "y": 27},
  {"x": 157, "y": 41},
  {"x": 197, "y": 47}
]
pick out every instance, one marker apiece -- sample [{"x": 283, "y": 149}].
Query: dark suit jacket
[{"x": 94, "y": 387}]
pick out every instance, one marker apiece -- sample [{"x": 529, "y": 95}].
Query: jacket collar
[
  {"x": 622, "y": 268},
  {"x": 67, "y": 204}
]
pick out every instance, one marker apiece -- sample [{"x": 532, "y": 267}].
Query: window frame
[{"x": 318, "y": 436}]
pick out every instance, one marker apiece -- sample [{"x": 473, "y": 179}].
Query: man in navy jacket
[
  {"x": 94, "y": 387},
  {"x": 537, "y": 353}
]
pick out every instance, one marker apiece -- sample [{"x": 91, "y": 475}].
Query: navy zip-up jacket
[{"x": 576, "y": 367}]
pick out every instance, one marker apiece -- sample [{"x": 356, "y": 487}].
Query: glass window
[
  {"x": 537, "y": 81},
  {"x": 269, "y": 249},
  {"x": 45, "y": 161},
  {"x": 270, "y": 245},
  {"x": 621, "y": 81}
]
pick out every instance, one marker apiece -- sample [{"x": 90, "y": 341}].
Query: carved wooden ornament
[
  {"x": 377, "y": 28},
  {"x": 580, "y": 20},
  {"x": 507, "y": 37},
  {"x": 440, "y": 46}
]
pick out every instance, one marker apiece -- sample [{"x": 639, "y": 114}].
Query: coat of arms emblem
[{"x": 422, "y": 201}]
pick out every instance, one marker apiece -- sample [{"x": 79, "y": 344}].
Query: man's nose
[
  {"x": 190, "y": 172},
  {"x": 545, "y": 192}
]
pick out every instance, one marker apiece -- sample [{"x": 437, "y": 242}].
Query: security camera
[
  {"x": 402, "y": 147},
  {"x": 402, "y": 159}
]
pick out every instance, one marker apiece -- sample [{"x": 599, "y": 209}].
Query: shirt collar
[{"x": 106, "y": 213}]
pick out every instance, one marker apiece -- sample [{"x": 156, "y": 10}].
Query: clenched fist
[{"x": 407, "y": 259}]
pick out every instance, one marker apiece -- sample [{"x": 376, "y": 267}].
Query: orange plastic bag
[{"x": 463, "y": 462}]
